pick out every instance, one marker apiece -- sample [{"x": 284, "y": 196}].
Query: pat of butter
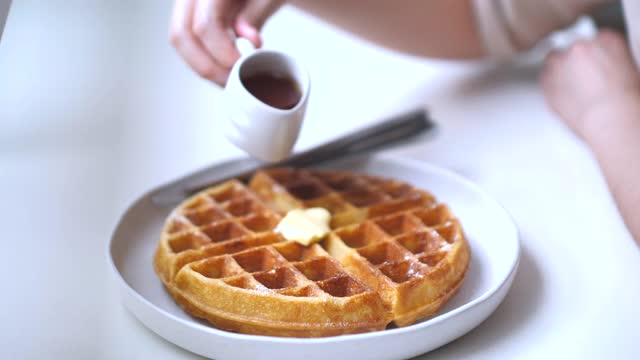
[{"x": 305, "y": 226}]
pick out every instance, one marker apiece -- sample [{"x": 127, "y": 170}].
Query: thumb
[
  {"x": 253, "y": 16},
  {"x": 246, "y": 30}
]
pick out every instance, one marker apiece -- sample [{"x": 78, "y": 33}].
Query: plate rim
[{"x": 482, "y": 298}]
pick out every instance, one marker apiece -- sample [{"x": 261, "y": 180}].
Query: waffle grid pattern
[{"x": 397, "y": 233}]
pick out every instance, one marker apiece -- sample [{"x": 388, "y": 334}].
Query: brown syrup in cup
[{"x": 277, "y": 91}]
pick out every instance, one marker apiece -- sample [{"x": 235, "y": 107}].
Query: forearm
[
  {"x": 431, "y": 28},
  {"x": 613, "y": 133}
]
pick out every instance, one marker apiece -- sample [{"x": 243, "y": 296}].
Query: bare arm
[
  {"x": 201, "y": 30},
  {"x": 430, "y": 28},
  {"x": 617, "y": 149},
  {"x": 595, "y": 89}
]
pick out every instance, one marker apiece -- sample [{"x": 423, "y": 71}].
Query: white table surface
[{"x": 96, "y": 108}]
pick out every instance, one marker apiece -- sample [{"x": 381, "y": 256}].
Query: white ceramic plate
[{"x": 495, "y": 254}]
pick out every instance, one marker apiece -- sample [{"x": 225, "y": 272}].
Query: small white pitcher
[{"x": 265, "y": 132}]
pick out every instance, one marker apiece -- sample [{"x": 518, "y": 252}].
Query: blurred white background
[{"x": 96, "y": 108}]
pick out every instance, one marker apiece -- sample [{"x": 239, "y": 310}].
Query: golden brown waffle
[{"x": 394, "y": 255}]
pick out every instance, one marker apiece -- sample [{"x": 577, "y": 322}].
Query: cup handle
[{"x": 245, "y": 47}]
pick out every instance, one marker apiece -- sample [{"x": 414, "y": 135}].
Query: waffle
[{"x": 394, "y": 255}]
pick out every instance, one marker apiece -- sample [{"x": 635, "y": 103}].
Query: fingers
[
  {"x": 202, "y": 32},
  {"x": 212, "y": 25},
  {"x": 252, "y": 18},
  {"x": 613, "y": 52},
  {"x": 248, "y": 31},
  {"x": 550, "y": 64},
  {"x": 189, "y": 46},
  {"x": 610, "y": 36},
  {"x": 612, "y": 41},
  {"x": 552, "y": 61},
  {"x": 553, "y": 57},
  {"x": 580, "y": 49}
]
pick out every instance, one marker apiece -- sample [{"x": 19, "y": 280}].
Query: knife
[{"x": 381, "y": 135}]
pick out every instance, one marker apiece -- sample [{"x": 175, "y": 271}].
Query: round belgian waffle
[{"x": 394, "y": 255}]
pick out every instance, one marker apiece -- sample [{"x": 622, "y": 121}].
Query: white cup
[{"x": 264, "y": 131}]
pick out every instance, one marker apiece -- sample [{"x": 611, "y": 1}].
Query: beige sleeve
[{"x": 507, "y": 27}]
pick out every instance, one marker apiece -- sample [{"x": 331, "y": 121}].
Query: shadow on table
[{"x": 520, "y": 305}]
